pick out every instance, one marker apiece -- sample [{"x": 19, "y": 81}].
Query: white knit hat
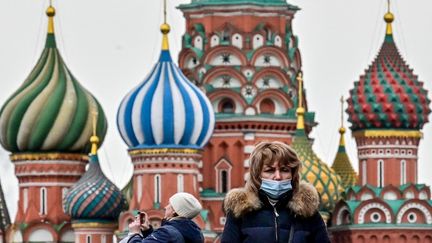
[{"x": 185, "y": 205}]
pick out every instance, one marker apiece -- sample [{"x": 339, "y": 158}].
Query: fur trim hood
[{"x": 304, "y": 203}]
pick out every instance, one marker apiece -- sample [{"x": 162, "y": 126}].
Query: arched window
[
  {"x": 25, "y": 199},
  {"x": 227, "y": 106},
  {"x": 198, "y": 42},
  {"x": 180, "y": 183},
  {"x": 403, "y": 172},
  {"x": 158, "y": 189},
  {"x": 237, "y": 41},
  {"x": 364, "y": 172},
  {"x": 257, "y": 41},
  {"x": 223, "y": 175},
  {"x": 214, "y": 41},
  {"x": 43, "y": 201},
  {"x": 194, "y": 180},
  {"x": 267, "y": 106},
  {"x": 224, "y": 181},
  {"x": 278, "y": 41},
  {"x": 380, "y": 172},
  {"x": 88, "y": 239},
  {"x": 139, "y": 187}
]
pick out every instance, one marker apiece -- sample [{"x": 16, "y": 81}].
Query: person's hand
[
  {"x": 134, "y": 227},
  {"x": 146, "y": 224}
]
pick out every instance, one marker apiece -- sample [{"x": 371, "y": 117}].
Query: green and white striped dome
[{"x": 51, "y": 111}]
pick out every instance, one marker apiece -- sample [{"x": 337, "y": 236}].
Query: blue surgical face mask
[{"x": 275, "y": 189}]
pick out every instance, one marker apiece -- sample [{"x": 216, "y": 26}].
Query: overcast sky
[{"x": 110, "y": 46}]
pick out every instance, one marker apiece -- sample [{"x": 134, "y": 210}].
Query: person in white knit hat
[
  {"x": 177, "y": 225},
  {"x": 184, "y": 205}
]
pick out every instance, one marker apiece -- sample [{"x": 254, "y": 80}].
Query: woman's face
[{"x": 276, "y": 172}]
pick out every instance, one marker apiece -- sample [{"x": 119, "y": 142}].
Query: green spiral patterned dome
[{"x": 51, "y": 111}]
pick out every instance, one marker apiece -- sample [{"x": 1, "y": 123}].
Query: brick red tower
[
  {"x": 388, "y": 107},
  {"x": 245, "y": 56}
]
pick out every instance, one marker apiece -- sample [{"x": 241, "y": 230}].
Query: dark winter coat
[
  {"x": 294, "y": 219},
  {"x": 176, "y": 230}
]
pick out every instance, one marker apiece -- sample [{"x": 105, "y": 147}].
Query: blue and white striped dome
[{"x": 166, "y": 110}]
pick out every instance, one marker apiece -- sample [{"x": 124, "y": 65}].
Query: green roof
[
  {"x": 208, "y": 192},
  {"x": 395, "y": 204},
  {"x": 352, "y": 205},
  {"x": 265, "y": 3},
  {"x": 309, "y": 116}
]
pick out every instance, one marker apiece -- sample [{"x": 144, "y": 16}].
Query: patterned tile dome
[
  {"x": 94, "y": 196},
  {"x": 51, "y": 110},
  {"x": 166, "y": 110},
  {"x": 314, "y": 170},
  {"x": 342, "y": 164},
  {"x": 389, "y": 94}
]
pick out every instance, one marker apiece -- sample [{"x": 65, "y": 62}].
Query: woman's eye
[
  {"x": 286, "y": 169},
  {"x": 269, "y": 170}
]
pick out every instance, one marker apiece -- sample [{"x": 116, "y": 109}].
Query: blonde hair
[{"x": 266, "y": 153}]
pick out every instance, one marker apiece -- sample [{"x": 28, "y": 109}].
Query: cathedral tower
[
  {"x": 245, "y": 57},
  {"x": 94, "y": 203},
  {"x": 165, "y": 121},
  {"x": 46, "y": 125},
  {"x": 387, "y": 108}
]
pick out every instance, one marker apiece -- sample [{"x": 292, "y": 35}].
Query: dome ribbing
[
  {"x": 51, "y": 111},
  {"x": 166, "y": 110}
]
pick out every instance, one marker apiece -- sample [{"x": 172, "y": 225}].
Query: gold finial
[
  {"x": 94, "y": 139},
  {"x": 165, "y": 29},
  {"x": 50, "y": 12},
  {"x": 342, "y": 128},
  {"x": 300, "y": 109},
  {"x": 389, "y": 18}
]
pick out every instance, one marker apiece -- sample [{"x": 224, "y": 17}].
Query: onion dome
[
  {"x": 389, "y": 94},
  {"x": 166, "y": 110},
  {"x": 314, "y": 170},
  {"x": 342, "y": 164},
  {"x": 51, "y": 111},
  {"x": 94, "y": 196}
]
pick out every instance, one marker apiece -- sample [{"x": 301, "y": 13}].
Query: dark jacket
[
  {"x": 176, "y": 230},
  {"x": 294, "y": 219}
]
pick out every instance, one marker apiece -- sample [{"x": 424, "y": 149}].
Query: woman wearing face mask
[{"x": 274, "y": 206}]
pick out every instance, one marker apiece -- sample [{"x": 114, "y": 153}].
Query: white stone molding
[
  {"x": 374, "y": 205},
  {"x": 414, "y": 205}
]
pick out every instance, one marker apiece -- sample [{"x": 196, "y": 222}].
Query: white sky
[{"x": 110, "y": 46}]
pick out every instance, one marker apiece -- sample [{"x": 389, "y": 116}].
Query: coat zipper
[{"x": 276, "y": 223}]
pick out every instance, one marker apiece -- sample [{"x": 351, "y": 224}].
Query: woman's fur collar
[{"x": 304, "y": 203}]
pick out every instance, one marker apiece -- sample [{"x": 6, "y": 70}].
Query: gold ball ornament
[
  {"x": 388, "y": 17},
  {"x": 50, "y": 12},
  {"x": 165, "y": 28}
]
